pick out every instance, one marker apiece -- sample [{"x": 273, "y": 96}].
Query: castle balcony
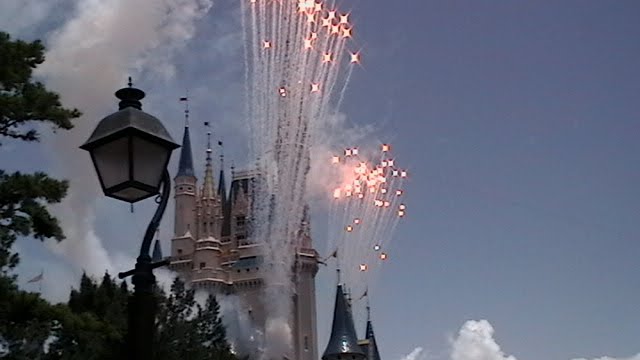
[
  {"x": 209, "y": 274},
  {"x": 236, "y": 276},
  {"x": 307, "y": 252},
  {"x": 249, "y": 249},
  {"x": 181, "y": 258},
  {"x": 207, "y": 246},
  {"x": 210, "y": 241}
]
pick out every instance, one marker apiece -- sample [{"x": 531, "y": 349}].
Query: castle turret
[
  {"x": 208, "y": 185},
  {"x": 185, "y": 187},
  {"x": 369, "y": 344},
  {"x": 210, "y": 204},
  {"x": 343, "y": 343},
  {"x": 157, "y": 252}
]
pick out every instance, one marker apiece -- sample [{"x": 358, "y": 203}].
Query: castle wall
[{"x": 229, "y": 263}]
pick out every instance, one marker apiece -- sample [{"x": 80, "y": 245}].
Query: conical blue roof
[
  {"x": 185, "y": 167},
  {"x": 372, "y": 351},
  {"x": 343, "y": 340},
  {"x": 157, "y": 252}
]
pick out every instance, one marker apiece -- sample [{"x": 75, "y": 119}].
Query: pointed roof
[
  {"x": 222, "y": 185},
  {"x": 185, "y": 167},
  {"x": 372, "y": 351},
  {"x": 208, "y": 186},
  {"x": 343, "y": 340},
  {"x": 157, "y": 252}
]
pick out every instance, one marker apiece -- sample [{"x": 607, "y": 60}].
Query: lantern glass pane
[
  {"x": 131, "y": 194},
  {"x": 149, "y": 161},
  {"x": 112, "y": 162}
]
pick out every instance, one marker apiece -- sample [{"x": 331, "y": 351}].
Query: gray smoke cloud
[
  {"x": 88, "y": 58},
  {"x": 244, "y": 337}
]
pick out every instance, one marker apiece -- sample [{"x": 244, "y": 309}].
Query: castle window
[
  {"x": 241, "y": 221},
  {"x": 306, "y": 343},
  {"x": 202, "y": 265},
  {"x": 179, "y": 251},
  {"x": 180, "y": 188},
  {"x": 241, "y": 239}
]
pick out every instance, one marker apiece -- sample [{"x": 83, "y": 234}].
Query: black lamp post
[{"x": 130, "y": 150}]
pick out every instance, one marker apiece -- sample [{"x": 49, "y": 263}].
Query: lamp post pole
[
  {"x": 142, "y": 305},
  {"x": 130, "y": 150}
]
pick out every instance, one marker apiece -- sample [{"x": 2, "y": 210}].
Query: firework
[
  {"x": 298, "y": 65},
  {"x": 370, "y": 218}
]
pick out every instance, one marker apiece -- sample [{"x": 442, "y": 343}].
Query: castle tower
[
  {"x": 210, "y": 204},
  {"x": 185, "y": 189},
  {"x": 369, "y": 345},
  {"x": 213, "y": 250},
  {"x": 343, "y": 342}
]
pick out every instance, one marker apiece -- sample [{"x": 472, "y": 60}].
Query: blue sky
[{"x": 518, "y": 119}]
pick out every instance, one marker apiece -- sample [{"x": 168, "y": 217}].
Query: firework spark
[
  {"x": 370, "y": 217},
  {"x": 301, "y": 49}
]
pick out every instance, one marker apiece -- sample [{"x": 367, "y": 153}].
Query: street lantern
[{"x": 130, "y": 150}]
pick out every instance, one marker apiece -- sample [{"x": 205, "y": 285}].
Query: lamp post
[{"x": 130, "y": 150}]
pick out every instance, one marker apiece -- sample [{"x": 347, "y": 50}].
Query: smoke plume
[{"x": 88, "y": 58}]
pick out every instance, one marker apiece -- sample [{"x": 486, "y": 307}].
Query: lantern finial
[{"x": 130, "y": 97}]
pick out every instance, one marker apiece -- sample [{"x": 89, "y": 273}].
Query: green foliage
[
  {"x": 24, "y": 104},
  {"x": 26, "y": 320},
  {"x": 93, "y": 324},
  {"x": 187, "y": 330},
  {"x": 23, "y": 101}
]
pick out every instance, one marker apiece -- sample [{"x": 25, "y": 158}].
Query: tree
[
  {"x": 23, "y": 104},
  {"x": 188, "y": 330},
  {"x": 25, "y": 318}
]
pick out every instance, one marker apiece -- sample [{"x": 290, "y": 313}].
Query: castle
[{"x": 212, "y": 250}]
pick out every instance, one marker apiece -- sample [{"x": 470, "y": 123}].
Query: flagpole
[{"x": 41, "y": 280}]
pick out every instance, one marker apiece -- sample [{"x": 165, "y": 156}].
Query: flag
[
  {"x": 206, "y": 123},
  {"x": 220, "y": 143},
  {"x": 366, "y": 292},
  {"x": 183, "y": 99},
  {"x": 37, "y": 278}
]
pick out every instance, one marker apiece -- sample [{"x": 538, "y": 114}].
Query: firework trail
[
  {"x": 296, "y": 62},
  {"x": 367, "y": 204}
]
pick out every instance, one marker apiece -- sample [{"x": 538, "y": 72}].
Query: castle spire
[
  {"x": 372, "y": 346},
  {"x": 185, "y": 167},
  {"x": 343, "y": 342},
  {"x": 208, "y": 185},
  {"x": 222, "y": 186},
  {"x": 157, "y": 251}
]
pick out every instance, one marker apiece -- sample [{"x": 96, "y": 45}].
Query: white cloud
[
  {"x": 636, "y": 357},
  {"x": 475, "y": 342},
  {"x": 417, "y": 354}
]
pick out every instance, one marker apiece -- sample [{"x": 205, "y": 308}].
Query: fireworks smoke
[
  {"x": 88, "y": 58},
  {"x": 297, "y": 67}
]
